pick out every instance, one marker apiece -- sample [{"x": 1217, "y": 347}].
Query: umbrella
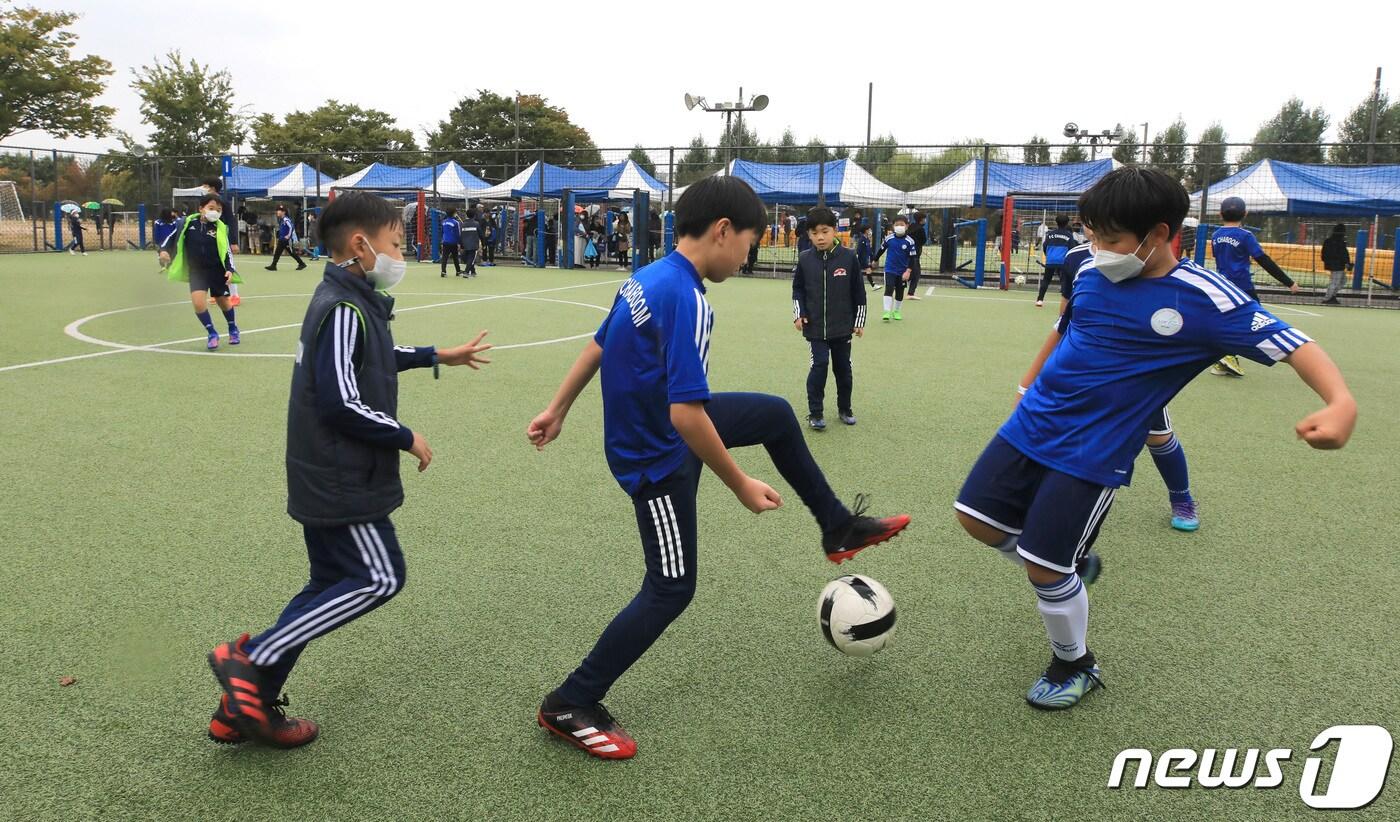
[
  {"x": 113, "y": 201},
  {"x": 70, "y": 208},
  {"x": 91, "y": 204}
]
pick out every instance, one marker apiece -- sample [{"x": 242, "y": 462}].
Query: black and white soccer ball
[{"x": 856, "y": 615}]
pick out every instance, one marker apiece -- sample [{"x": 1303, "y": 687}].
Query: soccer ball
[
  {"x": 1020, "y": 279},
  {"x": 856, "y": 615}
]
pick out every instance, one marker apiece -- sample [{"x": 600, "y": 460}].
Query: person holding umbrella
[{"x": 75, "y": 227}]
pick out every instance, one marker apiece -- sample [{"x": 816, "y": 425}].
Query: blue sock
[
  {"x": 206, "y": 321},
  {"x": 228, "y": 315},
  {"x": 1171, "y": 464}
]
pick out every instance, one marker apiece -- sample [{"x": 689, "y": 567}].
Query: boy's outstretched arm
[
  {"x": 1332, "y": 426},
  {"x": 698, "y": 431},
  {"x": 1038, "y": 363},
  {"x": 546, "y": 425}
]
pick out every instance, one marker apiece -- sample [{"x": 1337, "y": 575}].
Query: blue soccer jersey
[
  {"x": 656, "y": 351},
  {"x": 899, "y": 251},
  {"x": 1233, "y": 248},
  {"x": 1128, "y": 348},
  {"x": 1075, "y": 260}
]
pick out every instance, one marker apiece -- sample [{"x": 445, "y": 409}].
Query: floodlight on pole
[
  {"x": 1106, "y": 136},
  {"x": 758, "y": 102}
]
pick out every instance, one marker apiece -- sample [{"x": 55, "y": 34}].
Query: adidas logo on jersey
[{"x": 1261, "y": 321}]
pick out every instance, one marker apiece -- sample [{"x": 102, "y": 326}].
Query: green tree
[
  {"x": 839, "y": 153},
  {"x": 190, "y": 110},
  {"x": 43, "y": 85},
  {"x": 479, "y": 132},
  {"x": 342, "y": 136},
  {"x": 1168, "y": 151},
  {"x": 787, "y": 150},
  {"x": 737, "y": 137},
  {"x": 1209, "y": 165},
  {"x": 1074, "y": 154},
  {"x": 1293, "y": 124},
  {"x": 816, "y": 152},
  {"x": 1354, "y": 133},
  {"x": 639, "y": 156},
  {"x": 1129, "y": 150},
  {"x": 880, "y": 150},
  {"x": 1036, "y": 152},
  {"x": 695, "y": 163}
]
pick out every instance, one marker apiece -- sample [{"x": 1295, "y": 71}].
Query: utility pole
[
  {"x": 869, "y": 110},
  {"x": 1375, "y": 115},
  {"x": 1144, "y": 143},
  {"x": 516, "y": 169}
]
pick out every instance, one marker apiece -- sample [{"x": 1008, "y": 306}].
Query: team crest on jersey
[
  {"x": 1261, "y": 320},
  {"x": 840, "y": 272},
  {"x": 1166, "y": 321}
]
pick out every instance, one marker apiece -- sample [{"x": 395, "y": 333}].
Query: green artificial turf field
[{"x": 143, "y": 499}]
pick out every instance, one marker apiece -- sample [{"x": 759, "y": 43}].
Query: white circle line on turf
[{"x": 72, "y": 329}]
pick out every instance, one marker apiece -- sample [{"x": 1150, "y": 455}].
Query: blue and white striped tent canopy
[
  {"x": 452, "y": 181},
  {"x": 843, "y": 182},
  {"x": 964, "y": 186},
  {"x": 612, "y": 182},
  {"x": 292, "y": 182},
  {"x": 1277, "y": 187}
]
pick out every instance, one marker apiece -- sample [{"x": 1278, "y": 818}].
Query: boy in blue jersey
[
  {"x": 286, "y": 236},
  {"x": 1233, "y": 246},
  {"x": 451, "y": 239},
  {"x": 163, "y": 227},
  {"x": 1162, "y": 443},
  {"x": 897, "y": 267},
  {"x": 1140, "y": 326},
  {"x": 1056, "y": 245},
  {"x": 661, "y": 425}
]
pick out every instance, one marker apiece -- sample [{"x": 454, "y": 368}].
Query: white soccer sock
[
  {"x": 1064, "y": 607},
  {"x": 1007, "y": 549},
  {"x": 889, "y": 301},
  {"x": 897, "y": 304}
]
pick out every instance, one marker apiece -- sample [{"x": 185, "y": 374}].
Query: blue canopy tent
[
  {"x": 963, "y": 188},
  {"x": 294, "y": 181},
  {"x": 1277, "y": 187},
  {"x": 841, "y": 183},
  {"x": 613, "y": 182}
]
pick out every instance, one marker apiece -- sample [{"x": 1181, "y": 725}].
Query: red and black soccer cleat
[
  {"x": 861, "y": 532},
  {"x": 223, "y": 728},
  {"x": 589, "y": 729},
  {"x": 252, "y": 713}
]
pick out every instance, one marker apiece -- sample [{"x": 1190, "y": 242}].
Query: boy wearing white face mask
[
  {"x": 343, "y": 444},
  {"x": 897, "y": 267},
  {"x": 1139, "y": 326},
  {"x": 197, "y": 252}
]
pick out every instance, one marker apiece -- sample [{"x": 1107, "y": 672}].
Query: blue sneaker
[
  {"x": 816, "y": 423},
  {"x": 1184, "y": 517},
  {"x": 1065, "y": 683},
  {"x": 213, "y": 341},
  {"x": 233, "y": 338},
  {"x": 1089, "y": 567}
]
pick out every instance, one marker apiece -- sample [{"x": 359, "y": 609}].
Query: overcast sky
[{"x": 942, "y": 71}]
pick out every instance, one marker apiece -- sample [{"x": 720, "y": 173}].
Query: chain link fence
[{"x": 957, "y": 194}]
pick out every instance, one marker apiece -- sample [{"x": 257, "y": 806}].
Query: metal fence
[{"x": 953, "y": 186}]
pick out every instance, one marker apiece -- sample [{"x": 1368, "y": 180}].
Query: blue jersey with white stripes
[
  {"x": 1128, "y": 348},
  {"x": 656, "y": 351}
]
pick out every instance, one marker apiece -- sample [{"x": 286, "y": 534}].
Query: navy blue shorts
[
  {"x": 1056, "y": 516},
  {"x": 1160, "y": 424}
]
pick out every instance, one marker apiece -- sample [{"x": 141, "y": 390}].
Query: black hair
[
  {"x": 1061, "y": 221},
  {"x": 210, "y": 198},
  {"x": 356, "y": 210},
  {"x": 1135, "y": 199},
  {"x": 1232, "y": 215},
  {"x": 213, "y": 182},
  {"x": 1339, "y": 229},
  {"x": 711, "y": 199},
  {"x": 820, "y": 216},
  {"x": 900, "y": 218},
  {"x": 281, "y": 208},
  {"x": 451, "y": 211}
]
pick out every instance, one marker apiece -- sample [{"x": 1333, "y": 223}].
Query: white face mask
[
  {"x": 899, "y": 230},
  {"x": 213, "y": 215},
  {"x": 1119, "y": 267},
  {"x": 387, "y": 271}
]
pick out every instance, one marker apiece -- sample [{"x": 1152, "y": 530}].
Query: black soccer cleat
[
  {"x": 1089, "y": 567},
  {"x": 861, "y": 532}
]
